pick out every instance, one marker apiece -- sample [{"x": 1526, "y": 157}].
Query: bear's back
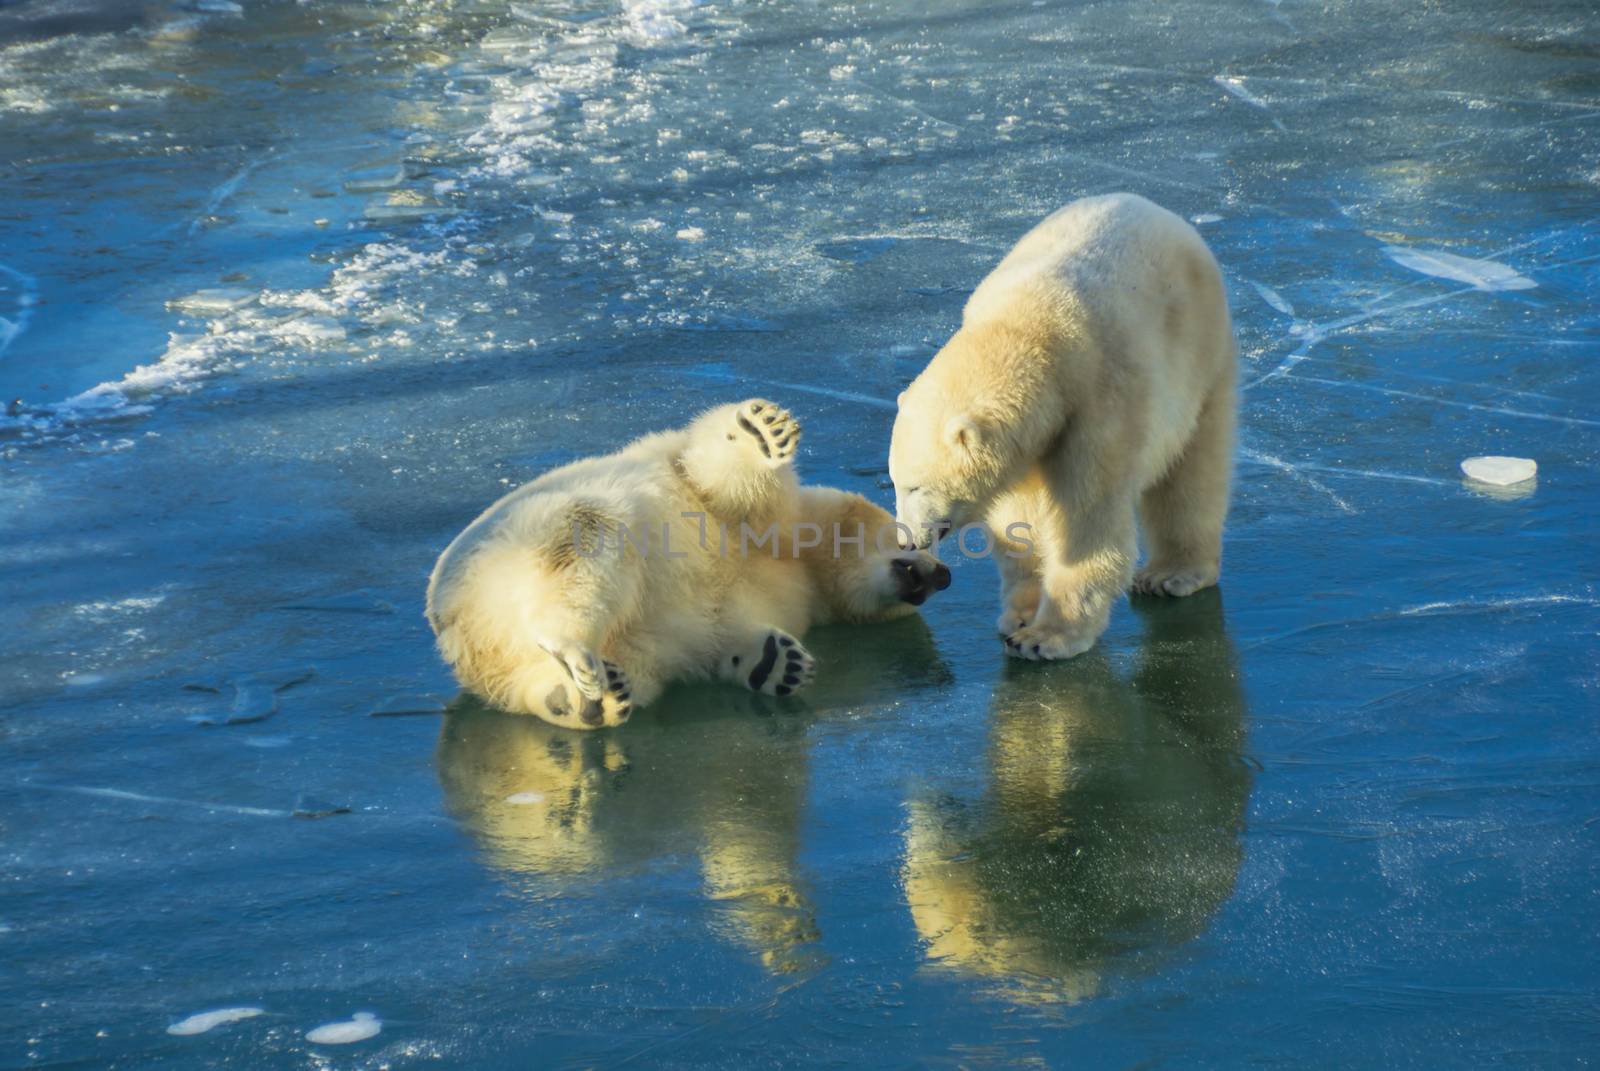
[{"x": 1083, "y": 257}]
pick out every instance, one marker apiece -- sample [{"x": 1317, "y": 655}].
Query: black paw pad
[
  {"x": 784, "y": 689},
  {"x": 763, "y": 670}
]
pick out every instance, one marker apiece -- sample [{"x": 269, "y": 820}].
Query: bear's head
[{"x": 942, "y": 461}]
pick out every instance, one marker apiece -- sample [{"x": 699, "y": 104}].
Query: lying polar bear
[
  {"x": 688, "y": 554},
  {"x": 1092, "y": 376}
]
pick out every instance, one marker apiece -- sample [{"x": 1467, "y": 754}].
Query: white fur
[
  {"x": 538, "y": 616},
  {"x": 1092, "y": 378}
]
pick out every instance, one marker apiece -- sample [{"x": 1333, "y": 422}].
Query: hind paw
[
  {"x": 774, "y": 663},
  {"x": 566, "y": 706},
  {"x": 583, "y": 666},
  {"x": 775, "y": 430}
]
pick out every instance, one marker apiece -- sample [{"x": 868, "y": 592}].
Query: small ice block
[
  {"x": 215, "y": 301},
  {"x": 374, "y": 180},
  {"x": 359, "y": 1027},
  {"x": 200, "y": 1022},
  {"x": 1500, "y": 471}
]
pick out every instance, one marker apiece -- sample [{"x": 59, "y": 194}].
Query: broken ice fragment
[
  {"x": 214, "y": 302},
  {"x": 254, "y": 698},
  {"x": 403, "y": 206},
  {"x": 375, "y": 179},
  {"x": 312, "y": 329},
  {"x": 400, "y": 705},
  {"x": 312, "y": 807},
  {"x": 1483, "y": 274},
  {"x": 359, "y": 1027},
  {"x": 1500, "y": 471},
  {"x": 200, "y": 1022}
]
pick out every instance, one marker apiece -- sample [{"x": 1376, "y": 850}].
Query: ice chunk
[
  {"x": 400, "y": 705},
  {"x": 692, "y": 234},
  {"x": 403, "y": 206},
  {"x": 200, "y": 1022},
  {"x": 311, "y": 329},
  {"x": 254, "y": 698},
  {"x": 1483, "y": 274},
  {"x": 1500, "y": 471},
  {"x": 374, "y": 180},
  {"x": 314, "y": 807},
  {"x": 1273, "y": 298},
  {"x": 214, "y": 302},
  {"x": 359, "y": 1027}
]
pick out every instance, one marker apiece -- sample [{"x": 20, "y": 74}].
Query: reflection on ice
[{"x": 1108, "y": 831}]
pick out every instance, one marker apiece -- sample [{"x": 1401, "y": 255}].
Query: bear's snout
[{"x": 915, "y": 580}]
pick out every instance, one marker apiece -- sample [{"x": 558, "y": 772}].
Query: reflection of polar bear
[
  {"x": 1093, "y": 375},
  {"x": 1110, "y": 828},
  {"x": 696, "y": 777},
  {"x": 689, "y": 554}
]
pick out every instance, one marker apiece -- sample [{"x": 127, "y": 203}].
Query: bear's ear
[
  {"x": 962, "y": 431},
  {"x": 901, "y": 399}
]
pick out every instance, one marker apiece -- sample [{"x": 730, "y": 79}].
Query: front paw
[
  {"x": 1042, "y": 643},
  {"x": 775, "y": 664},
  {"x": 774, "y": 429},
  {"x": 1019, "y": 608}
]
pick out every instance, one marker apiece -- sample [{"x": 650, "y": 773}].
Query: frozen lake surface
[{"x": 289, "y": 291}]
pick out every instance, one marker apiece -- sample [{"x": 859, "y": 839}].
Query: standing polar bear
[
  {"x": 1093, "y": 376},
  {"x": 688, "y": 554}
]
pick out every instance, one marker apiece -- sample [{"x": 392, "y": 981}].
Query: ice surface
[
  {"x": 201, "y": 1022},
  {"x": 1344, "y": 804},
  {"x": 1500, "y": 470},
  {"x": 360, "y": 1027}
]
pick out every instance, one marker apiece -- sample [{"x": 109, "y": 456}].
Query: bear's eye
[{"x": 912, "y": 490}]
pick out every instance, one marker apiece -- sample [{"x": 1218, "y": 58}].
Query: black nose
[{"x": 941, "y": 576}]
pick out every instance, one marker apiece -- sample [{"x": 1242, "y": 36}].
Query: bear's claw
[
  {"x": 775, "y": 430},
  {"x": 1038, "y": 644}
]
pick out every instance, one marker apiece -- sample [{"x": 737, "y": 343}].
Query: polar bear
[
  {"x": 688, "y": 554},
  {"x": 1093, "y": 376}
]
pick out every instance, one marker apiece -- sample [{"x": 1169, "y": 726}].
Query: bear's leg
[
  {"x": 1183, "y": 514},
  {"x": 767, "y": 660},
  {"x": 1086, "y": 566},
  {"x": 1020, "y": 585},
  {"x": 741, "y": 458}
]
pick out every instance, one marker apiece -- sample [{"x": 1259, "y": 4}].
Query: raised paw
[
  {"x": 1039, "y": 643},
  {"x": 1177, "y": 582},
  {"x": 775, "y": 430},
  {"x": 774, "y": 664}
]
